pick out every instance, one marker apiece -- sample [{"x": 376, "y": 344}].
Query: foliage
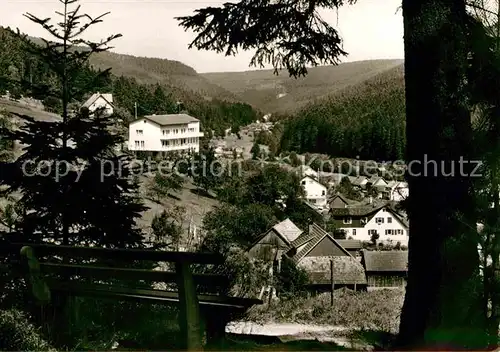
[
  {"x": 207, "y": 171},
  {"x": 17, "y": 333},
  {"x": 365, "y": 121},
  {"x": 255, "y": 151},
  {"x": 291, "y": 281},
  {"x": 167, "y": 227},
  {"x": 311, "y": 41},
  {"x": 163, "y": 183},
  {"x": 228, "y": 225}
]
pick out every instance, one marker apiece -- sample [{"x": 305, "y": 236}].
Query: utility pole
[{"x": 135, "y": 110}]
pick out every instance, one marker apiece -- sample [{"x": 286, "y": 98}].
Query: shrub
[
  {"x": 18, "y": 334},
  {"x": 291, "y": 280}
]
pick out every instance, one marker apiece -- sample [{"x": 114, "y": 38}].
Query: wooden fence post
[
  {"x": 332, "y": 282},
  {"x": 189, "y": 309}
]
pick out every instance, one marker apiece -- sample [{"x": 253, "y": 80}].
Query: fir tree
[{"x": 74, "y": 188}]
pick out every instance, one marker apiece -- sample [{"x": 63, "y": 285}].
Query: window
[
  {"x": 354, "y": 232},
  {"x": 304, "y": 182},
  {"x": 322, "y": 193},
  {"x": 348, "y": 221},
  {"x": 144, "y": 121},
  {"x": 164, "y": 143},
  {"x": 136, "y": 143},
  {"x": 388, "y": 232},
  {"x": 389, "y": 220},
  {"x": 142, "y": 143},
  {"x": 399, "y": 232},
  {"x": 372, "y": 232},
  {"x": 379, "y": 220},
  {"x": 139, "y": 132}
]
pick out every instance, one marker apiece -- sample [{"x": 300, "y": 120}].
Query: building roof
[
  {"x": 312, "y": 239},
  {"x": 358, "y": 181},
  {"x": 346, "y": 270},
  {"x": 385, "y": 260},
  {"x": 288, "y": 230},
  {"x": 341, "y": 197},
  {"x": 106, "y": 96},
  {"x": 355, "y": 211},
  {"x": 170, "y": 119},
  {"x": 350, "y": 244}
]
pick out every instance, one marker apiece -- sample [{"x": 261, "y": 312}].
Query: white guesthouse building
[
  {"x": 165, "y": 133},
  {"x": 360, "y": 223},
  {"x": 315, "y": 192}
]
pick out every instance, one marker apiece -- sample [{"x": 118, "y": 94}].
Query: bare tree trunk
[{"x": 442, "y": 307}]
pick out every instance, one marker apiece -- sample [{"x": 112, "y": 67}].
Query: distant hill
[
  {"x": 145, "y": 70},
  {"x": 284, "y": 94},
  {"x": 167, "y": 72},
  {"x": 365, "y": 120}
]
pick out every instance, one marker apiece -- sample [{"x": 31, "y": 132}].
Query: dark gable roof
[
  {"x": 315, "y": 236},
  {"x": 342, "y": 198},
  {"x": 170, "y": 119},
  {"x": 385, "y": 260},
  {"x": 355, "y": 211}
]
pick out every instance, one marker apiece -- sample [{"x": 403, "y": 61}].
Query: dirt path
[{"x": 296, "y": 331}]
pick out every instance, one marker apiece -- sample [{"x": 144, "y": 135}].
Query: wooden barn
[
  {"x": 276, "y": 240},
  {"x": 316, "y": 251},
  {"x": 385, "y": 269}
]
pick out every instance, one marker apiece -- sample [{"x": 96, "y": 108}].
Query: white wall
[
  {"x": 152, "y": 135},
  {"x": 316, "y": 193},
  {"x": 100, "y": 103},
  {"x": 364, "y": 234}
]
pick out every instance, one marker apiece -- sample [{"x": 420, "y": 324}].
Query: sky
[{"x": 371, "y": 29}]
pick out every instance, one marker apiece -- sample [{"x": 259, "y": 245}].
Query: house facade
[
  {"x": 165, "y": 133},
  {"x": 100, "y": 101},
  {"x": 315, "y": 192},
  {"x": 360, "y": 223}
]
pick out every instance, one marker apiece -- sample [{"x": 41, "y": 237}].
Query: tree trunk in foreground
[{"x": 442, "y": 307}]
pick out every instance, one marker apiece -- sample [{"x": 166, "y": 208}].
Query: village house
[
  {"x": 385, "y": 269},
  {"x": 100, "y": 101},
  {"x": 398, "y": 191},
  {"x": 361, "y": 223},
  {"x": 315, "y": 251},
  {"x": 338, "y": 201},
  {"x": 270, "y": 246},
  {"x": 165, "y": 133},
  {"x": 359, "y": 182},
  {"x": 379, "y": 185},
  {"x": 315, "y": 192},
  {"x": 305, "y": 170}
]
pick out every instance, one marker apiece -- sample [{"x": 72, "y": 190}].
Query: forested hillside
[
  {"x": 283, "y": 94},
  {"x": 365, "y": 120},
  {"x": 154, "y": 84}
]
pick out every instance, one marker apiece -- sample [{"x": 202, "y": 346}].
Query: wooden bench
[{"x": 71, "y": 276}]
